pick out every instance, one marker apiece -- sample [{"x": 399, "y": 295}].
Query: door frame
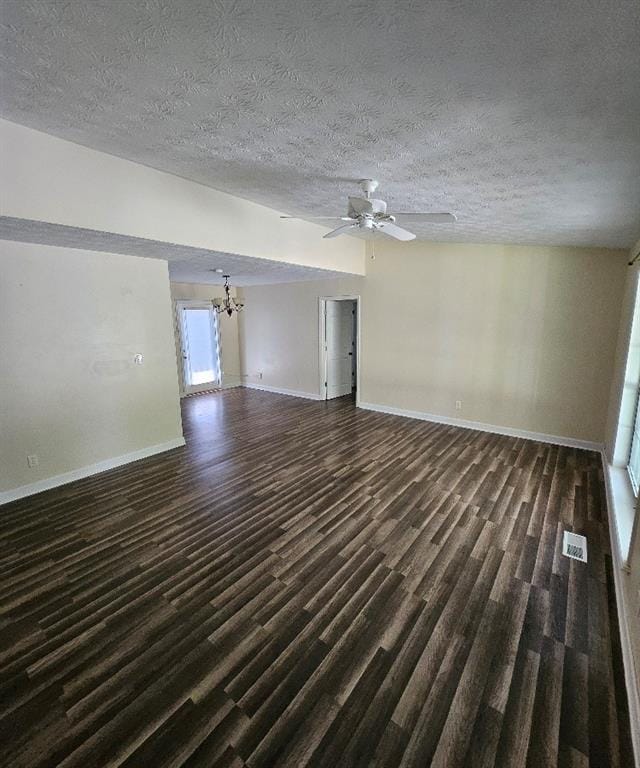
[
  {"x": 180, "y": 305},
  {"x": 322, "y": 347}
]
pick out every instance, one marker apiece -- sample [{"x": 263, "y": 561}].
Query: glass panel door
[{"x": 200, "y": 348}]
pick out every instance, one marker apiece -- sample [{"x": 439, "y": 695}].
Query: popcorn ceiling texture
[
  {"x": 520, "y": 117},
  {"x": 186, "y": 264}
]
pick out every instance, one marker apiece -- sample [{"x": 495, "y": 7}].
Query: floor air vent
[{"x": 575, "y": 546}]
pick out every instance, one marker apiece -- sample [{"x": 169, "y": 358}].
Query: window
[
  {"x": 634, "y": 454},
  {"x": 629, "y": 419}
]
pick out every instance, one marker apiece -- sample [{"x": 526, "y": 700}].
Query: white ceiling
[
  {"x": 521, "y": 117},
  {"x": 186, "y": 264}
]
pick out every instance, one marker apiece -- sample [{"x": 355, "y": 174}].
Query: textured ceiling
[
  {"x": 186, "y": 265},
  {"x": 520, "y": 117}
]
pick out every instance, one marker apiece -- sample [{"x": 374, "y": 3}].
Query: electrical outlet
[
  {"x": 458, "y": 405},
  {"x": 33, "y": 460}
]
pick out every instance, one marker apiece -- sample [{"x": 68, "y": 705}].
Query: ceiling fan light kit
[{"x": 369, "y": 214}]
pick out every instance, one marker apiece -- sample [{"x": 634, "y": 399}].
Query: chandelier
[{"x": 229, "y": 304}]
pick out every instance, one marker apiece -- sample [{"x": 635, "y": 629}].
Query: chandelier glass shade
[{"x": 228, "y": 304}]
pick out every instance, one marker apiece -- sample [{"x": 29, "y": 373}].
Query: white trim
[
  {"x": 623, "y": 603},
  {"x": 91, "y": 469},
  {"x": 622, "y": 507},
  {"x": 540, "y": 437},
  {"x": 322, "y": 357},
  {"x": 280, "y": 391}
]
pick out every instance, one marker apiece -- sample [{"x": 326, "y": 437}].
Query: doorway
[
  {"x": 199, "y": 346},
  {"x": 339, "y": 346}
]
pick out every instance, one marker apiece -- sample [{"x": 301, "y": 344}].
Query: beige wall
[
  {"x": 279, "y": 330},
  {"x": 523, "y": 336},
  {"x": 61, "y": 182},
  {"x": 228, "y": 329},
  {"x": 71, "y": 322}
]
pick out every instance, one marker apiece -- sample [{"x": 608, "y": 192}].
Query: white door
[
  {"x": 340, "y": 347},
  {"x": 198, "y": 325}
]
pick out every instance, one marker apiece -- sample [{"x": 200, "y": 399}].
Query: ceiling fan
[{"x": 368, "y": 214}]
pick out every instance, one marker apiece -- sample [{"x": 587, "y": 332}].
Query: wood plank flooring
[{"x": 308, "y": 584}]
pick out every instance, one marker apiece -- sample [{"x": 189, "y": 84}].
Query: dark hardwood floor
[{"x": 310, "y": 584}]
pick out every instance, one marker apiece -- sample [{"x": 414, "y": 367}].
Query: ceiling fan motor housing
[{"x": 359, "y": 206}]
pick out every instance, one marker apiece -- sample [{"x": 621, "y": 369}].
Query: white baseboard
[
  {"x": 621, "y": 582},
  {"x": 280, "y": 391},
  {"x": 91, "y": 469},
  {"x": 540, "y": 437}
]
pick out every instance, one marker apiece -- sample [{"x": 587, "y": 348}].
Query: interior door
[
  {"x": 340, "y": 349},
  {"x": 198, "y": 324}
]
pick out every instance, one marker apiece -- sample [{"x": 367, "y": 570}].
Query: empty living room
[{"x": 319, "y": 384}]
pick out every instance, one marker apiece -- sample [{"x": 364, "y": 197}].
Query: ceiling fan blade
[
  {"x": 341, "y": 230},
  {"x": 393, "y": 230},
  {"x": 360, "y": 205},
  {"x": 432, "y": 218},
  {"x": 317, "y": 218}
]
